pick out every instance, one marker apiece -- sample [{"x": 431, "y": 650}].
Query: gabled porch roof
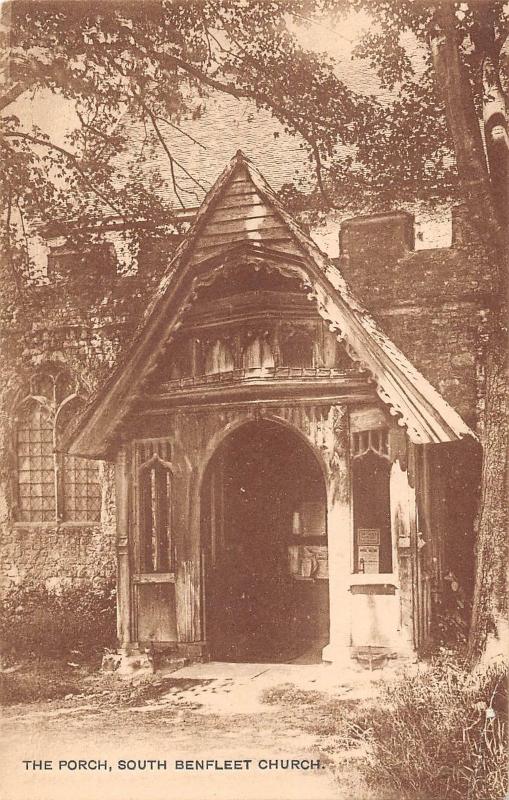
[{"x": 263, "y": 229}]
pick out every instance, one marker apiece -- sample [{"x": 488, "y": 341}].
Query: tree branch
[
  {"x": 180, "y": 130},
  {"x": 243, "y": 94},
  {"x": 70, "y": 157},
  {"x": 10, "y": 257},
  {"x": 88, "y": 127},
  {"x": 173, "y": 161},
  {"x": 12, "y": 94},
  {"x": 176, "y": 188},
  {"x": 25, "y": 235}
]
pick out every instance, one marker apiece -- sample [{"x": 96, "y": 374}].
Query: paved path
[
  {"x": 209, "y": 712},
  {"x": 229, "y": 688}
]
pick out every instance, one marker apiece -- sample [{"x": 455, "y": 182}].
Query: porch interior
[{"x": 265, "y": 540}]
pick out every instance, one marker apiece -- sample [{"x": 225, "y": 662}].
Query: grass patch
[
  {"x": 442, "y": 734},
  {"x": 439, "y": 734},
  {"x": 36, "y": 685},
  {"x": 290, "y": 695},
  {"x": 344, "y": 720}
]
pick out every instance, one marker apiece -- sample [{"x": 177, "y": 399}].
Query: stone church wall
[
  {"x": 433, "y": 304},
  {"x": 78, "y": 321}
]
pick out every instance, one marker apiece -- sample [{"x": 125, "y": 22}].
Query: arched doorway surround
[
  {"x": 324, "y": 429},
  {"x": 264, "y": 538}
]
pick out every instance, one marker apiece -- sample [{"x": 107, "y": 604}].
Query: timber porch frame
[{"x": 184, "y": 420}]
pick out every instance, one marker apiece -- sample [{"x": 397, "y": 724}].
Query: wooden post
[
  {"x": 188, "y": 602},
  {"x": 339, "y": 540},
  {"x": 188, "y": 568},
  {"x": 339, "y": 531},
  {"x": 402, "y": 503},
  {"x": 123, "y": 565}
]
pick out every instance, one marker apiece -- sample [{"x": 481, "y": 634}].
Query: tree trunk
[
  {"x": 489, "y": 629},
  {"x": 454, "y": 86},
  {"x": 496, "y": 137}
]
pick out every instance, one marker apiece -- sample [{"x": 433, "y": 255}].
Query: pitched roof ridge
[
  {"x": 304, "y": 238},
  {"x": 399, "y": 384},
  {"x": 193, "y": 230}
]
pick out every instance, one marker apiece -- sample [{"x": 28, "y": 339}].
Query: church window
[
  {"x": 68, "y": 261},
  {"x": 52, "y": 486},
  {"x": 78, "y": 488},
  {"x": 36, "y": 463}
]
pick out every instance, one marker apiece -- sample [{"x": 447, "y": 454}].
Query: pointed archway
[{"x": 265, "y": 542}]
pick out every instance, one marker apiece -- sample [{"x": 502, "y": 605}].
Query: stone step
[{"x": 372, "y": 657}]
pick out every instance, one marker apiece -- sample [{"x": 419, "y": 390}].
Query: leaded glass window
[
  {"x": 81, "y": 490},
  {"x": 52, "y": 486},
  {"x": 36, "y": 464},
  {"x": 80, "y": 487}
]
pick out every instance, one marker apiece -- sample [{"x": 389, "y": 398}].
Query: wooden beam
[
  {"x": 188, "y": 602},
  {"x": 122, "y": 497},
  {"x": 154, "y": 577}
]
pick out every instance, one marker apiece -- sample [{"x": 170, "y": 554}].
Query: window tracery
[
  {"x": 50, "y": 485},
  {"x": 155, "y": 504}
]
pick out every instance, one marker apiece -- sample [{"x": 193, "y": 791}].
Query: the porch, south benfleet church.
[{"x": 281, "y": 467}]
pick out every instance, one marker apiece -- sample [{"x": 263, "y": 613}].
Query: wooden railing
[{"x": 260, "y": 374}]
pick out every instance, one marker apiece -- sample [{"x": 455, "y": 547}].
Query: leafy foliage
[
  {"x": 37, "y": 621},
  {"x": 156, "y": 61}
]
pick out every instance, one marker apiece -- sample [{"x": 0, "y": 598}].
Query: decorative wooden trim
[
  {"x": 154, "y": 577},
  {"x": 201, "y": 404},
  {"x": 264, "y": 375},
  {"x": 409, "y": 396},
  {"x": 374, "y": 440},
  {"x": 290, "y": 391}
]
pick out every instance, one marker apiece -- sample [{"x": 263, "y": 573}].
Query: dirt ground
[{"x": 221, "y": 713}]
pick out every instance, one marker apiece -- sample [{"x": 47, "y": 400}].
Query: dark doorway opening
[{"x": 265, "y": 548}]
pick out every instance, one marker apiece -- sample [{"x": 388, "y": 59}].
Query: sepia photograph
[{"x": 253, "y": 408}]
